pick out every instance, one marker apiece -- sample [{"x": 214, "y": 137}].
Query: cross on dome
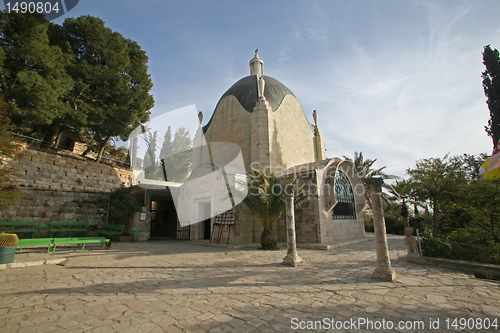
[{"x": 256, "y": 65}]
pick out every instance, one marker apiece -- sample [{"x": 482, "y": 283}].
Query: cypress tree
[{"x": 491, "y": 85}]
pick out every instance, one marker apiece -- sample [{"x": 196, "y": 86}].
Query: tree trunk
[
  {"x": 434, "y": 223},
  {"x": 58, "y": 137},
  {"x": 51, "y": 133},
  {"x": 268, "y": 239},
  {"x": 101, "y": 149},
  {"x": 87, "y": 150},
  {"x": 404, "y": 214}
]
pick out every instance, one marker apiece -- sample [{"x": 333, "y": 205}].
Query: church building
[
  {"x": 266, "y": 121},
  {"x": 259, "y": 123}
]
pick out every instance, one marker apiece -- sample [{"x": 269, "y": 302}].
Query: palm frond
[{"x": 266, "y": 196}]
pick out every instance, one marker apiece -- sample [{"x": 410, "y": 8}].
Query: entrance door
[
  {"x": 205, "y": 212},
  {"x": 163, "y": 221},
  {"x": 170, "y": 225}
]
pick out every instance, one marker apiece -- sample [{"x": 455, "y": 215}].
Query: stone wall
[
  {"x": 49, "y": 205},
  {"x": 62, "y": 187},
  {"x": 281, "y": 138},
  {"x": 291, "y": 135},
  {"x": 43, "y": 169},
  {"x": 232, "y": 123}
]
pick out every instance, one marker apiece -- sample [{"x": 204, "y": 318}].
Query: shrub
[
  {"x": 394, "y": 225},
  {"x": 433, "y": 247},
  {"x": 461, "y": 245},
  {"x": 121, "y": 205}
]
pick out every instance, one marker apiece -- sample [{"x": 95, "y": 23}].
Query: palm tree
[
  {"x": 401, "y": 194},
  {"x": 365, "y": 169},
  {"x": 266, "y": 199}
]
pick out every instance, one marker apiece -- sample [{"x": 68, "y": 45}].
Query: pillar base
[
  {"x": 386, "y": 275},
  {"x": 291, "y": 260},
  {"x": 411, "y": 245}
]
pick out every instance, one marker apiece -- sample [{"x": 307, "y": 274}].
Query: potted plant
[{"x": 8, "y": 247}]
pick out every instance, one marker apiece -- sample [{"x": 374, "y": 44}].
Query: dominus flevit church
[{"x": 258, "y": 123}]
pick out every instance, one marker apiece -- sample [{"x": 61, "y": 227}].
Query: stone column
[
  {"x": 292, "y": 258},
  {"x": 384, "y": 270}
]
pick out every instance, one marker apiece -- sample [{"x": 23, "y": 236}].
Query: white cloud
[
  {"x": 313, "y": 35},
  {"x": 284, "y": 55},
  {"x": 298, "y": 34}
]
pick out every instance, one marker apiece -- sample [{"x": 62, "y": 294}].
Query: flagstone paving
[{"x": 185, "y": 287}]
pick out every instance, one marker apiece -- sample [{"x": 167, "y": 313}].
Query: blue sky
[{"x": 397, "y": 80}]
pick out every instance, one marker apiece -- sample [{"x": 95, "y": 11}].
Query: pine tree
[
  {"x": 112, "y": 75},
  {"x": 150, "y": 163},
  {"x": 80, "y": 77},
  {"x": 9, "y": 147},
  {"x": 491, "y": 85},
  {"x": 32, "y": 73},
  {"x": 176, "y": 155}
]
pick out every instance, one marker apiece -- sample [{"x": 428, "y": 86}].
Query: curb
[
  {"x": 489, "y": 270},
  {"x": 33, "y": 263}
]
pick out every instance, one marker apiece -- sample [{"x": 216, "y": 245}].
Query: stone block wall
[
  {"x": 40, "y": 169},
  {"x": 292, "y": 137},
  {"x": 49, "y": 205},
  {"x": 59, "y": 187},
  {"x": 232, "y": 123},
  {"x": 307, "y": 222}
]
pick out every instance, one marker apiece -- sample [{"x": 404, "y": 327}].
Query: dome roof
[{"x": 246, "y": 91}]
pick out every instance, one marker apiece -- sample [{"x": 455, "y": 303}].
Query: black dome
[{"x": 246, "y": 92}]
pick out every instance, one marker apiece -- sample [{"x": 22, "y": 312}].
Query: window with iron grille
[{"x": 345, "y": 209}]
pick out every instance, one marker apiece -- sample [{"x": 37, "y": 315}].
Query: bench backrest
[
  {"x": 19, "y": 227},
  {"x": 43, "y": 227},
  {"x": 68, "y": 224},
  {"x": 69, "y": 227},
  {"x": 14, "y": 225},
  {"x": 117, "y": 227}
]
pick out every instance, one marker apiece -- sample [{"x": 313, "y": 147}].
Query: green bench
[
  {"x": 109, "y": 230},
  {"x": 35, "y": 242},
  {"x": 19, "y": 227},
  {"x": 44, "y": 228},
  {"x": 81, "y": 241},
  {"x": 69, "y": 227},
  {"x": 53, "y": 242}
]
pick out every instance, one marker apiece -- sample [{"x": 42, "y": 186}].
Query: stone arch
[{"x": 356, "y": 183}]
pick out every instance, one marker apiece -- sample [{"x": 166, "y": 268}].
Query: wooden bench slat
[
  {"x": 35, "y": 242},
  {"x": 14, "y": 226},
  {"x": 69, "y": 227},
  {"x": 111, "y": 230},
  {"x": 80, "y": 240}
]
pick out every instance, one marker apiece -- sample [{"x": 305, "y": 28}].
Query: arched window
[{"x": 345, "y": 209}]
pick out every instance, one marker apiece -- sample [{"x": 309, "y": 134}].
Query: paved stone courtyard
[{"x": 186, "y": 287}]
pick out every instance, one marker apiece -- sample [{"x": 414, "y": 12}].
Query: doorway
[
  {"x": 163, "y": 220},
  {"x": 206, "y": 217}
]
